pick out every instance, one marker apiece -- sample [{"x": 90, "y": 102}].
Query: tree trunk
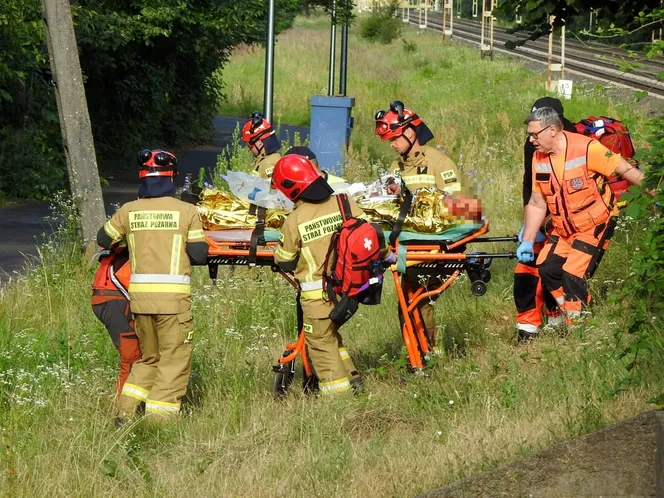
[
  {"x": 74, "y": 118},
  {"x": 305, "y": 8}
]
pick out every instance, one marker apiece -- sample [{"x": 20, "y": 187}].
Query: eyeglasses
[{"x": 535, "y": 134}]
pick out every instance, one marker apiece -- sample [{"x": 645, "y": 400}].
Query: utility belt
[{"x": 100, "y": 296}]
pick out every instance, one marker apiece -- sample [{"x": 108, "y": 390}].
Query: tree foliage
[
  {"x": 147, "y": 67},
  {"x": 609, "y": 14}
]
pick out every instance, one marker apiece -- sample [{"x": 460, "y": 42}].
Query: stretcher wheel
[
  {"x": 282, "y": 378},
  {"x": 478, "y": 288}
]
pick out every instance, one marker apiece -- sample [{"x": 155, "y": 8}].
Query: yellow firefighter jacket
[
  {"x": 304, "y": 241},
  {"x": 157, "y": 231},
  {"x": 428, "y": 167},
  {"x": 264, "y": 164}
]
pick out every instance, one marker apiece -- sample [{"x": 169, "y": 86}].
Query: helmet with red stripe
[
  {"x": 256, "y": 128},
  {"x": 157, "y": 162},
  {"x": 392, "y": 124}
]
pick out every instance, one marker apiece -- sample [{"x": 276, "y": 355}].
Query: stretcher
[
  {"x": 437, "y": 261},
  {"x": 439, "y": 258}
]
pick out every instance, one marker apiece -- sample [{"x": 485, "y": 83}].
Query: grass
[
  {"x": 486, "y": 402},
  {"x": 468, "y": 103}
]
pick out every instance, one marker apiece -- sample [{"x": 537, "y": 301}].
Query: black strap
[
  {"x": 403, "y": 212},
  {"x": 344, "y": 207},
  {"x": 258, "y": 235}
]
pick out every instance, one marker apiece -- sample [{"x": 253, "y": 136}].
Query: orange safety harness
[{"x": 578, "y": 199}]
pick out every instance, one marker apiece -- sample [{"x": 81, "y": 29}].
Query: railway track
[{"x": 592, "y": 60}]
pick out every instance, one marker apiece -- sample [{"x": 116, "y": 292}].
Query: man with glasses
[
  {"x": 569, "y": 180},
  {"x": 529, "y": 295}
]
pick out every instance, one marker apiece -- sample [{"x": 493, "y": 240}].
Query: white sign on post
[{"x": 565, "y": 88}]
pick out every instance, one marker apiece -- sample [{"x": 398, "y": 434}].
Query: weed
[{"x": 486, "y": 401}]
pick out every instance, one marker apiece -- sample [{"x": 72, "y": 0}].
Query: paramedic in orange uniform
[
  {"x": 569, "y": 178},
  {"x": 110, "y": 304}
]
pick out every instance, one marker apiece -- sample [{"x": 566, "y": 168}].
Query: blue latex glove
[
  {"x": 540, "y": 237},
  {"x": 525, "y": 252},
  {"x": 390, "y": 259}
]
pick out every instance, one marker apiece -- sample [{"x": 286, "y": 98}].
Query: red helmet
[
  {"x": 157, "y": 163},
  {"x": 292, "y": 175},
  {"x": 392, "y": 123},
  {"x": 256, "y": 128}
]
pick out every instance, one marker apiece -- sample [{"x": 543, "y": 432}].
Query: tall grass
[
  {"x": 486, "y": 402},
  {"x": 469, "y": 103}
]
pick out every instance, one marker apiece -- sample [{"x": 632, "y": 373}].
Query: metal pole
[
  {"x": 548, "y": 78},
  {"x": 344, "y": 56},
  {"x": 444, "y": 17},
  {"x": 562, "y": 53},
  {"x": 482, "y": 44},
  {"x": 333, "y": 48},
  {"x": 268, "y": 88},
  {"x": 451, "y": 17},
  {"x": 493, "y": 6}
]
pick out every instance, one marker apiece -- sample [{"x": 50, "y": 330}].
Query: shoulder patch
[{"x": 449, "y": 174}]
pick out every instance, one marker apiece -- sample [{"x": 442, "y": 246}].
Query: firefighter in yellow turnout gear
[
  {"x": 165, "y": 237},
  {"x": 419, "y": 166},
  {"x": 305, "y": 240},
  {"x": 263, "y": 144}
]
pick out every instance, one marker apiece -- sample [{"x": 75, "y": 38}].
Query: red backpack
[
  {"x": 613, "y": 135},
  {"x": 353, "y": 267}
]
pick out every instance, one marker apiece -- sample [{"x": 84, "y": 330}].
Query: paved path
[{"x": 25, "y": 222}]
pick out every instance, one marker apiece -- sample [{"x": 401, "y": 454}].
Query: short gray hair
[{"x": 547, "y": 117}]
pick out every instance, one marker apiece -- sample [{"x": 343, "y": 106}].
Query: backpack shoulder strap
[
  {"x": 257, "y": 235},
  {"x": 403, "y": 212},
  {"x": 344, "y": 206}
]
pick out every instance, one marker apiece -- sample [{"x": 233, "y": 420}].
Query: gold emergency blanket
[
  {"x": 221, "y": 210},
  {"x": 431, "y": 211}
]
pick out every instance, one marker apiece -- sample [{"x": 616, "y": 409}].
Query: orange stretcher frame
[{"x": 413, "y": 333}]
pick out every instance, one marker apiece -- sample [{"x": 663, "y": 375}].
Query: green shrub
[
  {"x": 30, "y": 166},
  {"x": 381, "y": 25},
  {"x": 409, "y": 47}
]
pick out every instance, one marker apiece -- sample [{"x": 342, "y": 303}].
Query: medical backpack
[
  {"x": 613, "y": 135},
  {"x": 353, "y": 266}
]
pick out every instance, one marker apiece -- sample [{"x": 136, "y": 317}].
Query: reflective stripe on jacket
[
  {"x": 428, "y": 168},
  {"x": 157, "y": 231},
  {"x": 577, "y": 198}
]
